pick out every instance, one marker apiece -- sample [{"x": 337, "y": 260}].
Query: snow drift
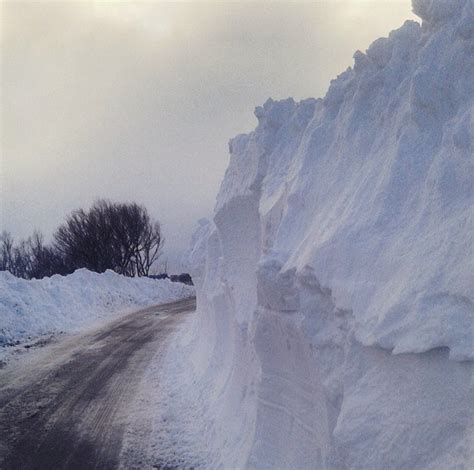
[
  {"x": 68, "y": 303},
  {"x": 335, "y": 302}
]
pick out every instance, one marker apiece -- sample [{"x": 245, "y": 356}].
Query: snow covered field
[
  {"x": 29, "y": 309},
  {"x": 335, "y": 324}
]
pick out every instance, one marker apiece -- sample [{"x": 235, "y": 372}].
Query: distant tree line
[{"x": 117, "y": 236}]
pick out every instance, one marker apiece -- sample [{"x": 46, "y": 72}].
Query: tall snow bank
[
  {"x": 69, "y": 303},
  {"x": 334, "y": 285}
]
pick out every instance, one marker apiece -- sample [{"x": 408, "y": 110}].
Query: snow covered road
[{"x": 68, "y": 406}]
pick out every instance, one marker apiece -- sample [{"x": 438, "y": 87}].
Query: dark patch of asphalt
[{"x": 66, "y": 411}]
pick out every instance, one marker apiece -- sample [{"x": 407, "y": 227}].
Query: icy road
[{"x": 67, "y": 405}]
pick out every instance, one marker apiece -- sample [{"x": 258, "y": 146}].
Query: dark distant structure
[{"x": 184, "y": 278}]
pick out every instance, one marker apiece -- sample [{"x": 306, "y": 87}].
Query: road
[{"x": 64, "y": 406}]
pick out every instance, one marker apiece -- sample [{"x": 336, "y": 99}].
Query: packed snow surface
[
  {"x": 335, "y": 325},
  {"x": 30, "y": 308}
]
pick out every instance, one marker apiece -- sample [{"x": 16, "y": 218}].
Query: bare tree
[
  {"x": 29, "y": 258},
  {"x": 6, "y": 251},
  {"x": 118, "y": 236},
  {"x": 43, "y": 260}
]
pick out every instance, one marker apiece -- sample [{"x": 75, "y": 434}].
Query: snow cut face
[
  {"x": 372, "y": 186},
  {"x": 335, "y": 282}
]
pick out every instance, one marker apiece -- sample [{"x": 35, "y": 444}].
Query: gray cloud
[{"x": 136, "y": 101}]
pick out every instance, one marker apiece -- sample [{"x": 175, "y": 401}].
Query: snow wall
[
  {"x": 334, "y": 284},
  {"x": 70, "y": 303}
]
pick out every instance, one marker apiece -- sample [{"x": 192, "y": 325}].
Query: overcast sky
[{"x": 136, "y": 101}]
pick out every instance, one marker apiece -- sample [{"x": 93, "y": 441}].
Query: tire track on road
[{"x": 72, "y": 415}]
